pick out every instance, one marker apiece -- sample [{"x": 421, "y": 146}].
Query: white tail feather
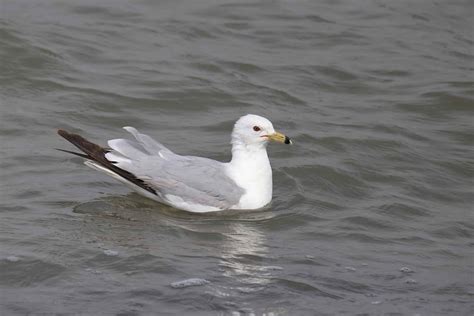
[
  {"x": 133, "y": 186},
  {"x": 119, "y": 159},
  {"x": 148, "y": 143},
  {"x": 126, "y": 148}
]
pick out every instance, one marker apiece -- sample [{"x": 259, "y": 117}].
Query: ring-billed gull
[{"x": 190, "y": 183}]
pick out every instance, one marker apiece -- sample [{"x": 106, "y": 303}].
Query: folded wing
[{"x": 186, "y": 182}]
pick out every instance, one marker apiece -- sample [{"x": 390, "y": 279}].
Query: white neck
[{"x": 251, "y": 170}]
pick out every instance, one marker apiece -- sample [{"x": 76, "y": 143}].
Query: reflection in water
[
  {"x": 243, "y": 247},
  {"x": 132, "y": 222},
  {"x": 238, "y": 239}
]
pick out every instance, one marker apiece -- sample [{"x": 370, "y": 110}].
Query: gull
[{"x": 190, "y": 183}]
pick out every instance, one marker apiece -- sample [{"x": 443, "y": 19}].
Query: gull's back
[{"x": 191, "y": 183}]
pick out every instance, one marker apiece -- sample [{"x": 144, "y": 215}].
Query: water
[{"x": 372, "y": 210}]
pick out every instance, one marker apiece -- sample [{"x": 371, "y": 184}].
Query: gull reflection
[
  {"x": 235, "y": 238},
  {"x": 242, "y": 253}
]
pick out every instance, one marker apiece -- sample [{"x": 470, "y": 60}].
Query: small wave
[
  {"x": 189, "y": 282},
  {"x": 366, "y": 222},
  {"x": 27, "y": 272},
  {"x": 403, "y": 211},
  {"x": 303, "y": 287}
]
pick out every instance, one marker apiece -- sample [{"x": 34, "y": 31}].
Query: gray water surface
[{"x": 372, "y": 211}]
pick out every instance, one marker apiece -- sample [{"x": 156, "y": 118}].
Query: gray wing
[
  {"x": 146, "y": 142},
  {"x": 195, "y": 180}
]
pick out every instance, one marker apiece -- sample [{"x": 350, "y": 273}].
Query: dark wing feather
[
  {"x": 97, "y": 153},
  {"x": 73, "y": 153}
]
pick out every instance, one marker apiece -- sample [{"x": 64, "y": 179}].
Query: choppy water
[{"x": 372, "y": 211}]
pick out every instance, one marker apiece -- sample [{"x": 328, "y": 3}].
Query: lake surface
[{"x": 372, "y": 211}]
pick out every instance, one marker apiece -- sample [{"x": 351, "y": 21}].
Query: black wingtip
[
  {"x": 62, "y": 132},
  {"x": 74, "y": 153},
  {"x": 97, "y": 153}
]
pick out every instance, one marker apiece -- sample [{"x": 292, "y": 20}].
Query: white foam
[
  {"x": 189, "y": 282},
  {"x": 111, "y": 253},
  {"x": 13, "y": 259},
  {"x": 272, "y": 268},
  {"x": 406, "y": 270}
]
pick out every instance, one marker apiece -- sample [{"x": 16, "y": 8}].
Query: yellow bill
[{"x": 280, "y": 138}]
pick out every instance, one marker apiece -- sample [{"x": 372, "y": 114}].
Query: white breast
[{"x": 253, "y": 173}]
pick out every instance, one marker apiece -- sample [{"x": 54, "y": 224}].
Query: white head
[{"x": 254, "y": 130}]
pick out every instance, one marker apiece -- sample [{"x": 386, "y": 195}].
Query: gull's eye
[{"x": 256, "y": 128}]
